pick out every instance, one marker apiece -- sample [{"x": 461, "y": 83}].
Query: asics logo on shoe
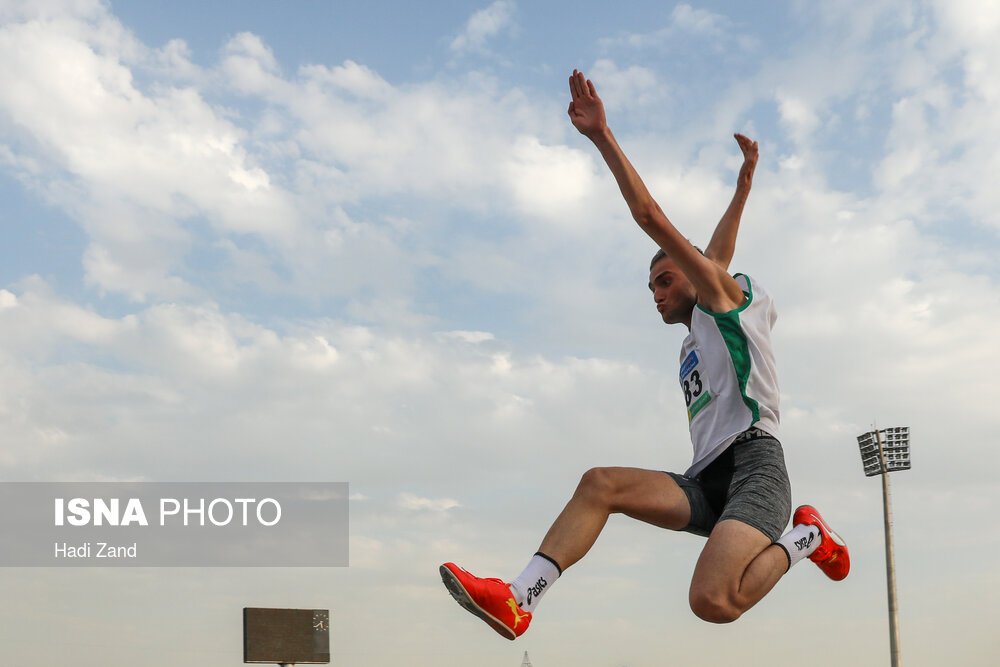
[
  {"x": 804, "y": 543},
  {"x": 536, "y": 590},
  {"x": 514, "y": 609}
]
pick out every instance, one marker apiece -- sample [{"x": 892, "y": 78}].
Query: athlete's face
[{"x": 673, "y": 293}]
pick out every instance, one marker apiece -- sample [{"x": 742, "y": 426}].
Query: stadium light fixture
[{"x": 884, "y": 451}]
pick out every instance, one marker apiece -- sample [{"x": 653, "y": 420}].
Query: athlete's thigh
[
  {"x": 651, "y": 496},
  {"x": 727, "y": 555}
]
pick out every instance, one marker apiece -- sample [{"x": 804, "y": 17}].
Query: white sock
[
  {"x": 800, "y": 542},
  {"x": 537, "y": 578}
]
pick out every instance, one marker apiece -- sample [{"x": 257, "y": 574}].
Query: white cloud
[
  {"x": 140, "y": 162},
  {"x": 7, "y": 299},
  {"x": 249, "y": 66},
  {"x": 175, "y": 61},
  {"x": 472, "y": 337},
  {"x": 714, "y": 31},
  {"x": 409, "y": 501},
  {"x": 797, "y": 116},
  {"x": 351, "y": 77},
  {"x": 207, "y": 383},
  {"x": 701, "y": 21},
  {"x": 129, "y": 165},
  {"x": 553, "y": 182},
  {"x": 36, "y": 319},
  {"x": 483, "y": 25},
  {"x": 626, "y": 90}
]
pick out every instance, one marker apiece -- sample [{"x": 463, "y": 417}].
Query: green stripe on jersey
[
  {"x": 736, "y": 343},
  {"x": 739, "y": 353}
]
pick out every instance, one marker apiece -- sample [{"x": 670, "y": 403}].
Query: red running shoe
[
  {"x": 489, "y": 599},
  {"x": 831, "y": 555}
]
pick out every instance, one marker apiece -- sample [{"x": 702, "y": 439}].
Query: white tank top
[{"x": 728, "y": 375}]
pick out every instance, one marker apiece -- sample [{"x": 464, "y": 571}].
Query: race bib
[{"x": 697, "y": 394}]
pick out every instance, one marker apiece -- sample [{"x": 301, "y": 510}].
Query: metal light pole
[{"x": 878, "y": 461}]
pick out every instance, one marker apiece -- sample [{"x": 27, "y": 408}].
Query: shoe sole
[{"x": 463, "y": 598}]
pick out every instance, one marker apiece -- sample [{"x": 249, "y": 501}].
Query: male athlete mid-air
[{"x": 736, "y": 491}]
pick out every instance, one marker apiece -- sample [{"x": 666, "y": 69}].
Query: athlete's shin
[{"x": 578, "y": 526}]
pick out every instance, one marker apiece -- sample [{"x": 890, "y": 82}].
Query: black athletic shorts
[{"x": 747, "y": 482}]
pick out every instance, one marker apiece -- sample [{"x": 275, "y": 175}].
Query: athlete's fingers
[
  {"x": 748, "y": 147},
  {"x": 591, "y": 88},
  {"x": 574, "y": 88},
  {"x": 581, "y": 83}
]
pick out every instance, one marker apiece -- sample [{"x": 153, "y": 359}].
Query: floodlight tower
[{"x": 884, "y": 451}]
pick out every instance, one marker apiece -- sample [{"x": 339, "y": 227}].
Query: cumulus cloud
[
  {"x": 130, "y": 165},
  {"x": 473, "y": 337},
  {"x": 629, "y": 88},
  {"x": 935, "y": 150},
  {"x": 249, "y": 66},
  {"x": 7, "y": 299},
  {"x": 483, "y": 25},
  {"x": 332, "y": 384},
  {"x": 153, "y": 172},
  {"x": 350, "y": 77},
  {"x": 551, "y": 182},
  {"x": 686, "y": 22},
  {"x": 796, "y": 115},
  {"x": 408, "y": 501}
]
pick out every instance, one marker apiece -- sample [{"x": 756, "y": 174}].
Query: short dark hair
[{"x": 660, "y": 254}]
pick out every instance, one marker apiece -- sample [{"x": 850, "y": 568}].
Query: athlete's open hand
[
  {"x": 749, "y": 148},
  {"x": 586, "y": 110}
]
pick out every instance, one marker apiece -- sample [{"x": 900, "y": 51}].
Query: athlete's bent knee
[
  {"x": 714, "y": 607},
  {"x": 597, "y": 484}
]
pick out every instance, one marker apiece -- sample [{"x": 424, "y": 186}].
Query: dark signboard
[{"x": 286, "y": 636}]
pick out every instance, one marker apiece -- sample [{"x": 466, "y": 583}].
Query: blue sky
[{"x": 361, "y": 242}]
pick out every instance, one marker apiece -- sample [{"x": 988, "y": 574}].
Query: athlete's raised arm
[
  {"x": 717, "y": 290},
  {"x": 723, "y": 244}
]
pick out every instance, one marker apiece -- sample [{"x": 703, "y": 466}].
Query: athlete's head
[{"x": 673, "y": 293}]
